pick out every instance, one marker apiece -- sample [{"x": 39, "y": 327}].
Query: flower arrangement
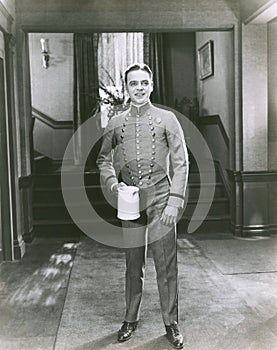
[{"x": 112, "y": 97}]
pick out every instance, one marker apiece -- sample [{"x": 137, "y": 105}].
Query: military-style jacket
[{"x": 138, "y": 146}]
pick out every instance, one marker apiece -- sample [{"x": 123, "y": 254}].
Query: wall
[
  {"x": 272, "y": 118},
  {"x": 52, "y": 90},
  {"x": 216, "y": 93},
  {"x": 249, "y": 7},
  {"x": 51, "y": 142},
  {"x": 7, "y": 15},
  {"x": 255, "y": 93},
  {"x": 272, "y": 98},
  {"x": 126, "y": 15},
  {"x": 256, "y": 188},
  {"x": 10, "y": 6},
  {"x": 180, "y": 66},
  {"x": 2, "y": 55}
]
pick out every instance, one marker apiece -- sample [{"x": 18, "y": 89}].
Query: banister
[{"x": 52, "y": 123}]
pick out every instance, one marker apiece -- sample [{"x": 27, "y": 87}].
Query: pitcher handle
[{"x": 135, "y": 192}]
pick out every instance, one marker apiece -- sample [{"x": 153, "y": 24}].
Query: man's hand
[
  {"x": 117, "y": 186},
  {"x": 169, "y": 215}
]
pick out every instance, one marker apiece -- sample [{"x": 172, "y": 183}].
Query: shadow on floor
[{"x": 110, "y": 342}]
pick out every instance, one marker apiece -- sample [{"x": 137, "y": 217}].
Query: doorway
[{"x": 52, "y": 87}]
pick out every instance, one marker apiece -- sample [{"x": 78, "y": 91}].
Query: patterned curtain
[{"x": 116, "y": 51}]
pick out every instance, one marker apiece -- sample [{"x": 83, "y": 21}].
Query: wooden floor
[{"x": 69, "y": 295}]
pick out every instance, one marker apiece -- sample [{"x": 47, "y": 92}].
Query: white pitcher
[{"x": 128, "y": 203}]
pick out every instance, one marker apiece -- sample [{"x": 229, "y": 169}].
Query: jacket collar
[{"x": 140, "y": 109}]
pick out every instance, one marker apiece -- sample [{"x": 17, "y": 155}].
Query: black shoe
[
  {"x": 126, "y": 331},
  {"x": 174, "y": 337}
]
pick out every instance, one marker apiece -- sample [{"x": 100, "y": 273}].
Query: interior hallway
[{"x": 69, "y": 295}]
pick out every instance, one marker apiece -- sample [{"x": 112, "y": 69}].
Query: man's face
[{"x": 139, "y": 86}]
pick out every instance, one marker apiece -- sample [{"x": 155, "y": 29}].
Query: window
[{"x": 116, "y": 51}]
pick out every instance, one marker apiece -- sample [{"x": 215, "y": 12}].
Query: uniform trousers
[{"x": 148, "y": 231}]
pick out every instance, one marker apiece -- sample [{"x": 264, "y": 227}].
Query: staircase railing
[{"x": 52, "y": 123}]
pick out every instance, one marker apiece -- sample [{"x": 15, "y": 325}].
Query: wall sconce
[{"x": 44, "y": 52}]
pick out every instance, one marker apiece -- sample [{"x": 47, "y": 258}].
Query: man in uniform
[{"x": 146, "y": 138}]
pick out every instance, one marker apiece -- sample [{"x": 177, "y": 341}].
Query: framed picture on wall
[{"x": 206, "y": 60}]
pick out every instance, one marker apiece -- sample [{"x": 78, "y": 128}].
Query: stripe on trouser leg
[
  {"x": 165, "y": 259},
  {"x": 135, "y": 270}
]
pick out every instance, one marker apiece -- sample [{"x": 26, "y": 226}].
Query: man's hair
[{"x": 137, "y": 66}]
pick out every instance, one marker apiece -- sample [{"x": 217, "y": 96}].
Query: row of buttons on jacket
[{"x": 138, "y": 149}]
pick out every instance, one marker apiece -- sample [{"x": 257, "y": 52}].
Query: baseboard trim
[
  {"x": 273, "y": 229},
  {"x": 251, "y": 230},
  {"x": 253, "y": 176}
]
